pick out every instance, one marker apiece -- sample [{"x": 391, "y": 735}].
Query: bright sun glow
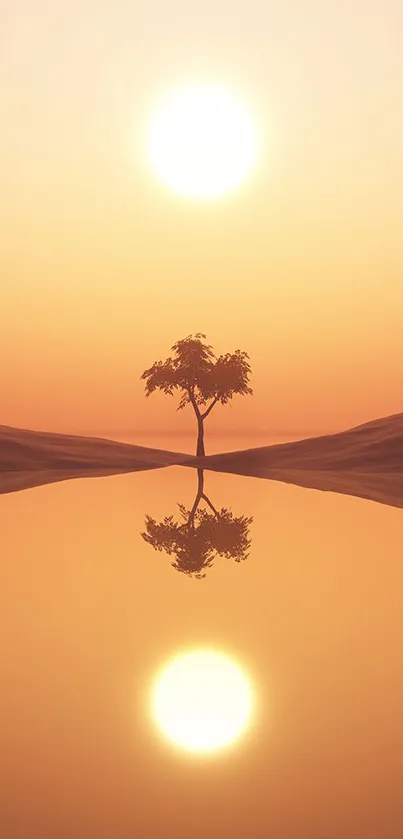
[
  {"x": 202, "y": 701},
  {"x": 202, "y": 141}
]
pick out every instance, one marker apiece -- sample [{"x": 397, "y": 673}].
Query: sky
[{"x": 103, "y": 268}]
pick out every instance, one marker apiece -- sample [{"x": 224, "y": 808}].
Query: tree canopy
[{"x": 199, "y": 374}]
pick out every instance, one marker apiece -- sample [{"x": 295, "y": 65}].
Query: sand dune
[
  {"x": 366, "y": 461},
  {"x": 370, "y": 447},
  {"x": 33, "y": 458}
]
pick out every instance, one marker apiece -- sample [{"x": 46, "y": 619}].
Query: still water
[{"x": 90, "y": 611}]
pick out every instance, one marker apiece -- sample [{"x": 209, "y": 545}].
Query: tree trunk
[
  {"x": 200, "y": 438},
  {"x": 200, "y": 483},
  {"x": 199, "y": 495}
]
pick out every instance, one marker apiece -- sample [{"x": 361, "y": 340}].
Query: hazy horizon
[{"x": 189, "y": 433}]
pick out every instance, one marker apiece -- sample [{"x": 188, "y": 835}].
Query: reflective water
[{"x": 89, "y": 611}]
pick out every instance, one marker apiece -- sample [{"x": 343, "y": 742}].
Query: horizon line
[{"x": 147, "y": 433}]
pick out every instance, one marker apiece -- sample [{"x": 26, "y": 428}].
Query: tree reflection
[{"x": 200, "y": 536}]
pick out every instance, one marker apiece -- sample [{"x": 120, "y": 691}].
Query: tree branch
[
  {"x": 194, "y": 403},
  {"x": 192, "y": 513},
  {"x": 207, "y": 500},
  {"x": 210, "y": 408}
]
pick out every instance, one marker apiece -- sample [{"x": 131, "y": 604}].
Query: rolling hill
[{"x": 365, "y": 461}]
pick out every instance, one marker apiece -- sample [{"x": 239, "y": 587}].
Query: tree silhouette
[
  {"x": 201, "y": 535},
  {"x": 201, "y": 377}
]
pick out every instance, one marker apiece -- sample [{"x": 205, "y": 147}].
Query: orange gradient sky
[{"x": 102, "y": 268}]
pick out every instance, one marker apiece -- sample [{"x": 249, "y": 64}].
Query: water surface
[{"x": 89, "y": 611}]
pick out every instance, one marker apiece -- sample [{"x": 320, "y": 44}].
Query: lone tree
[
  {"x": 201, "y": 535},
  {"x": 202, "y": 379}
]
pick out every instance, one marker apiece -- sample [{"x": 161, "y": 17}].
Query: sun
[
  {"x": 202, "y": 141},
  {"x": 202, "y": 701}
]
